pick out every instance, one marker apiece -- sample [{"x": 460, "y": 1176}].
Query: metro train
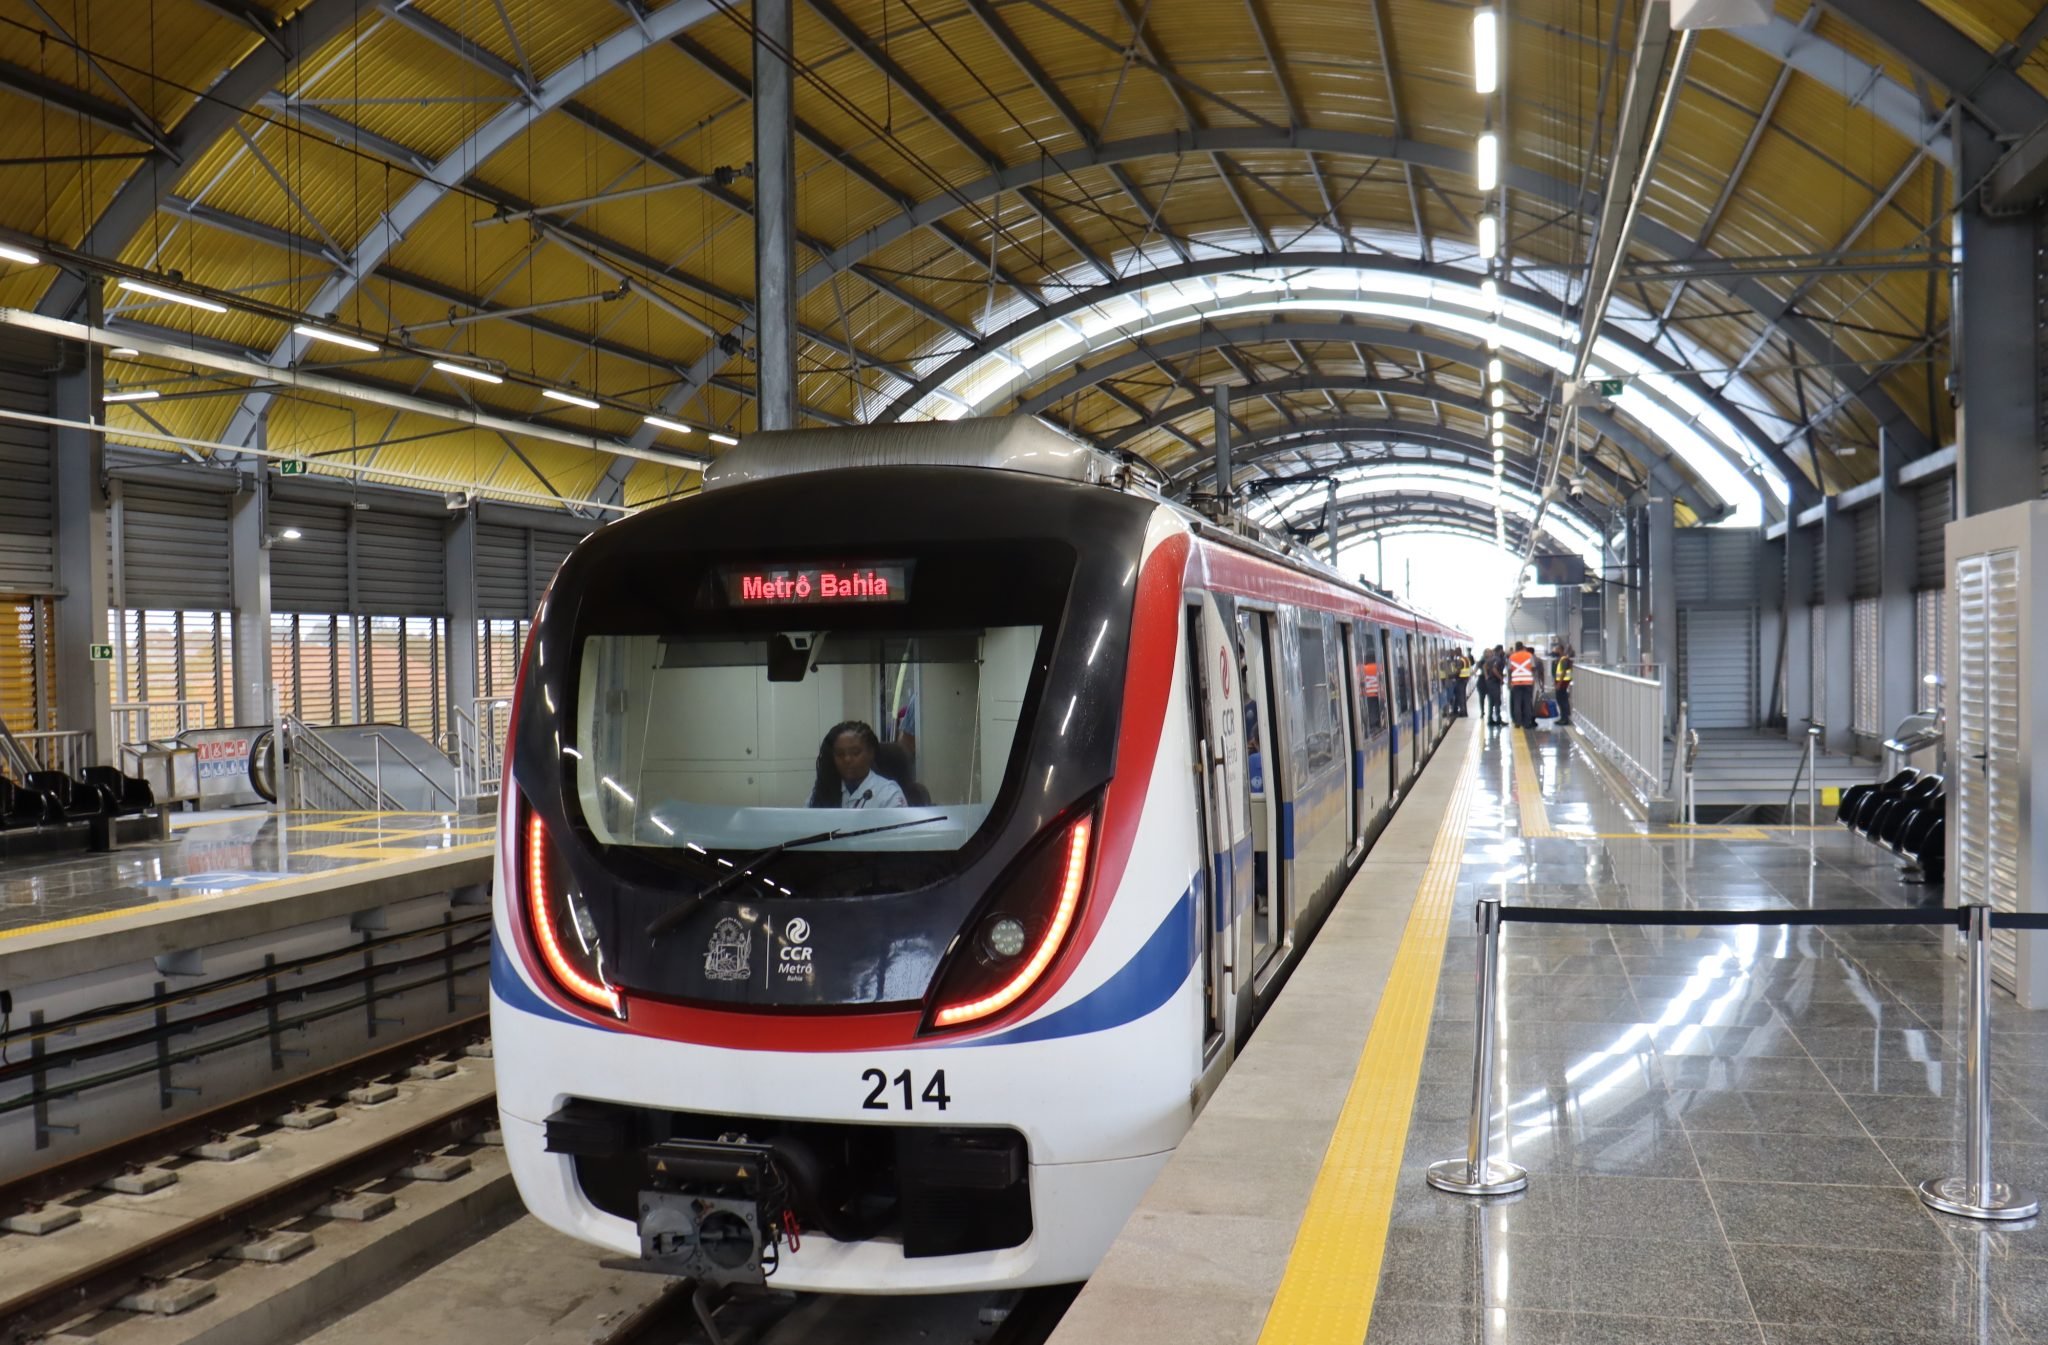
[{"x": 900, "y": 838}]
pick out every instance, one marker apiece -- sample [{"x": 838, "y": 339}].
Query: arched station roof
[{"x": 1093, "y": 209}]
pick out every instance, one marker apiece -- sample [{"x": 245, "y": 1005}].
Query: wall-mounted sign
[
  {"x": 100, "y": 653},
  {"x": 292, "y": 467}
]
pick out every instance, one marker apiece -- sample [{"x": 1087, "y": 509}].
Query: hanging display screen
[{"x": 809, "y": 584}]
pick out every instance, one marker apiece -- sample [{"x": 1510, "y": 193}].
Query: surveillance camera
[{"x": 1577, "y": 486}]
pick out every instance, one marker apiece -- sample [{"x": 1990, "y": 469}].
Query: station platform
[
  {"x": 1723, "y": 1126},
  {"x": 226, "y": 876}
]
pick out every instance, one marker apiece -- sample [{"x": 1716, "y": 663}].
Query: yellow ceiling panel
[
  {"x": 392, "y": 82},
  {"x": 550, "y": 33}
]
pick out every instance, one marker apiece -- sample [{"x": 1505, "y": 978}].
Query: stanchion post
[
  {"x": 1812, "y": 776},
  {"x": 1974, "y": 1195},
  {"x": 1478, "y": 1173}
]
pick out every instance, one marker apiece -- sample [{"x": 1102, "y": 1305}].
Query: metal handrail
[
  {"x": 140, "y": 713},
  {"x": 1622, "y": 716},
  {"x": 377, "y": 765},
  {"x": 66, "y": 750},
  {"x": 302, "y": 743}
]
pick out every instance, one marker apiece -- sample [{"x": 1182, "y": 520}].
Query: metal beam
[
  {"x": 101, "y": 112},
  {"x": 459, "y": 45},
  {"x": 1764, "y": 444},
  {"x": 774, "y": 217},
  {"x": 1656, "y": 467},
  {"x": 1932, "y": 47},
  {"x": 1813, "y": 341}
]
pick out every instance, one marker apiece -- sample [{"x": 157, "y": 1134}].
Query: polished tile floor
[
  {"x": 1723, "y": 1126},
  {"x": 219, "y": 853}
]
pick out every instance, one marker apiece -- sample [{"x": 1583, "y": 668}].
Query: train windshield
[{"x": 765, "y": 714}]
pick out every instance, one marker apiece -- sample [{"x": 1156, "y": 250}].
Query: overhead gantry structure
[{"x": 1070, "y": 210}]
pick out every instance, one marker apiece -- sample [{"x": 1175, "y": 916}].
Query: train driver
[{"x": 846, "y": 771}]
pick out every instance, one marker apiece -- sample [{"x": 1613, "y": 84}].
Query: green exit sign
[
  {"x": 292, "y": 467},
  {"x": 100, "y": 653},
  {"x": 1610, "y": 387}
]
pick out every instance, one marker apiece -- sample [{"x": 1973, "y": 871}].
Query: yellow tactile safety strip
[
  {"x": 1326, "y": 1296},
  {"x": 1529, "y": 790},
  {"x": 150, "y": 908}
]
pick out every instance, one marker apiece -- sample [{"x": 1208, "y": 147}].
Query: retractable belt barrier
[{"x": 1973, "y": 1195}]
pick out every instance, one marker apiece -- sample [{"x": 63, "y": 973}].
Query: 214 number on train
[{"x": 881, "y": 1098}]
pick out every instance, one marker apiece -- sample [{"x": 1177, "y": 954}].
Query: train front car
[{"x": 835, "y": 938}]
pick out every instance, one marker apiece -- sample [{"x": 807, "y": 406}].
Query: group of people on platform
[{"x": 1518, "y": 671}]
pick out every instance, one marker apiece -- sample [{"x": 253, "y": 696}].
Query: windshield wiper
[{"x": 668, "y": 920}]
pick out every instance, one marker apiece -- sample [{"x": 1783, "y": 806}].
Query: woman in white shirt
[{"x": 846, "y": 771}]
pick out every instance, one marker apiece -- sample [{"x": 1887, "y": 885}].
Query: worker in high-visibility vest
[
  {"x": 1493, "y": 671},
  {"x": 1463, "y": 687},
  {"x": 1522, "y": 686},
  {"x": 1561, "y": 677}
]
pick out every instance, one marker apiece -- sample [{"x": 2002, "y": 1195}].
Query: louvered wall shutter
[
  {"x": 1865, "y": 577},
  {"x": 1717, "y": 651},
  {"x": 1988, "y": 770},
  {"x": 174, "y": 547},
  {"x": 1934, "y": 505},
  {"x": 401, "y": 564},
  {"x": 28, "y": 501},
  {"x": 514, "y": 565},
  {"x": 1930, "y": 647},
  {"x": 1817, "y": 588},
  {"x": 1864, "y": 628},
  {"x": 1716, "y": 565},
  {"x": 310, "y": 572}
]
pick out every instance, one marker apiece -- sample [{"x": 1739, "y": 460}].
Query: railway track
[{"x": 266, "y": 1220}]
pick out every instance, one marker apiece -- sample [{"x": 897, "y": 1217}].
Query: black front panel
[
  {"x": 939, "y": 1190},
  {"x": 954, "y": 549}
]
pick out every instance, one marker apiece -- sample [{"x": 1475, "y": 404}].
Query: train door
[
  {"x": 1257, "y": 630},
  {"x": 1380, "y": 703},
  {"x": 1354, "y": 739},
  {"x": 1418, "y": 698},
  {"x": 1220, "y": 814}
]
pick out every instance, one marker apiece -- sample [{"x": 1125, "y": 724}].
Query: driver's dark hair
[{"x": 825, "y": 791}]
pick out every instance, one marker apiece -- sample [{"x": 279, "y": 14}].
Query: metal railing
[
  {"x": 1622, "y": 715},
  {"x": 1809, "y": 771},
  {"x": 1976, "y": 1194},
  {"x": 66, "y": 750},
  {"x": 476, "y": 742},
  {"x": 379, "y": 747},
  {"x": 315, "y": 777},
  {"x": 147, "y": 721}
]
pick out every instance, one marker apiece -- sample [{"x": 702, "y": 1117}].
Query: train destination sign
[{"x": 801, "y": 585}]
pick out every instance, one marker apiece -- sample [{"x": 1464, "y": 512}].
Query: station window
[
  {"x": 499, "y": 643},
  {"x": 28, "y": 665},
  {"x": 357, "y": 669},
  {"x": 1863, "y": 685},
  {"x": 173, "y": 670}
]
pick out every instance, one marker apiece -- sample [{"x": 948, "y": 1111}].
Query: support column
[
  {"x": 774, "y": 216},
  {"x": 1225, "y": 481},
  {"x": 1993, "y": 335},
  {"x": 1330, "y": 517},
  {"x": 460, "y": 544},
  {"x": 1898, "y": 534},
  {"x": 1663, "y": 606},
  {"x": 1838, "y": 565},
  {"x": 1801, "y": 549},
  {"x": 249, "y": 637},
  {"x": 84, "y": 685}
]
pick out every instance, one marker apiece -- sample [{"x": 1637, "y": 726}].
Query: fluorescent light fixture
[
  {"x": 1485, "y": 51},
  {"x": 1500, "y": 420},
  {"x": 291, "y": 534},
  {"x": 124, "y": 352},
  {"x": 572, "y": 398},
  {"x": 335, "y": 338},
  {"x": 1500, "y": 456},
  {"x": 1489, "y": 291},
  {"x": 1499, "y": 439},
  {"x": 467, "y": 371},
  {"x": 1493, "y": 370},
  {"x": 171, "y": 296},
  {"x": 139, "y": 395},
  {"x": 22, "y": 255},
  {"x": 725, "y": 439},
  {"x": 1497, "y": 398},
  {"x": 658, "y": 423},
  {"x": 1486, "y": 162},
  {"x": 1489, "y": 237}
]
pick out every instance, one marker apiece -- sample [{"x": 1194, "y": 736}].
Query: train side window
[
  {"x": 1318, "y": 702},
  {"x": 1371, "y": 682}
]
